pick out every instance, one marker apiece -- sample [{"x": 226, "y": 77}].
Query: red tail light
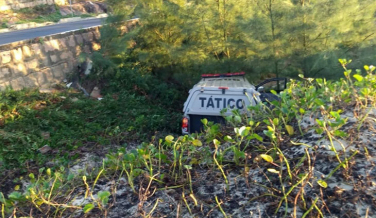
[
  {"x": 222, "y": 87},
  {"x": 184, "y": 124}
]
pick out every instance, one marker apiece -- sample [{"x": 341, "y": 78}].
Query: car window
[{"x": 274, "y": 86}]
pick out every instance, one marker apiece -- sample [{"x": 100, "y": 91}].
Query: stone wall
[{"x": 43, "y": 61}]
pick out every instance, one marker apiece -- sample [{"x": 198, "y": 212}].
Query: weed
[
  {"x": 87, "y": 15},
  {"x": 4, "y": 24},
  {"x": 220, "y": 207},
  {"x": 216, "y": 144},
  {"x": 288, "y": 179},
  {"x": 26, "y": 114}
]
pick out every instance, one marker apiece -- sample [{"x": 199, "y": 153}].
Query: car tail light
[{"x": 184, "y": 124}]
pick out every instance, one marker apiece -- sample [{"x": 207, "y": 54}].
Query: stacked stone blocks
[{"x": 43, "y": 61}]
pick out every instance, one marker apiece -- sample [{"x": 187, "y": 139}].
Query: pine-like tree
[{"x": 281, "y": 36}]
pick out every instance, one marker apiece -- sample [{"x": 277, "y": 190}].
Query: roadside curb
[
  {"x": 28, "y": 25},
  {"x": 35, "y": 25},
  {"x": 71, "y": 19},
  {"x": 74, "y": 19}
]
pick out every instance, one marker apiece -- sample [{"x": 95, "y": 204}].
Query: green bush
[
  {"x": 264, "y": 149},
  {"x": 139, "y": 111}
]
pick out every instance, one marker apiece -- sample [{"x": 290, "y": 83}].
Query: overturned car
[{"x": 215, "y": 92}]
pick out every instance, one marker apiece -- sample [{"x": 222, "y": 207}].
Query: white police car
[{"x": 215, "y": 92}]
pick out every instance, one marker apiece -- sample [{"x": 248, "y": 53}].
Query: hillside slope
[{"x": 310, "y": 155}]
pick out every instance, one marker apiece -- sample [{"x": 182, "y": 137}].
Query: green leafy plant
[{"x": 260, "y": 144}]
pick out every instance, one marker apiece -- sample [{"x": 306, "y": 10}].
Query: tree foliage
[{"x": 179, "y": 38}]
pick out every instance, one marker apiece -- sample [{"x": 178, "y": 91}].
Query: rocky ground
[
  {"x": 81, "y": 8},
  {"x": 254, "y": 191},
  {"x": 48, "y": 14},
  {"x": 325, "y": 168}
]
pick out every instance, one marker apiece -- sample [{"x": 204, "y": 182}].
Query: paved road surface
[{"x": 20, "y": 35}]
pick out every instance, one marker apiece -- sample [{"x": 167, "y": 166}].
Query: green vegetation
[
  {"x": 180, "y": 39},
  {"x": 87, "y": 15},
  {"x": 146, "y": 73},
  {"x": 4, "y": 24},
  {"x": 122, "y": 116},
  {"x": 39, "y": 14},
  {"x": 260, "y": 142}
]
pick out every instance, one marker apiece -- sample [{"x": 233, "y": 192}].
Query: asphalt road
[{"x": 20, "y": 35}]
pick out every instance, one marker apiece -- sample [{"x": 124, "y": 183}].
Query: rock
[
  {"x": 66, "y": 11},
  {"x": 84, "y": 165},
  {"x": 45, "y": 149},
  {"x": 85, "y": 66},
  {"x": 46, "y": 135},
  {"x": 50, "y": 164},
  {"x": 90, "y": 7},
  {"x": 103, "y": 6},
  {"x": 95, "y": 93},
  {"x": 47, "y": 90},
  {"x": 89, "y": 66},
  {"x": 83, "y": 8}
]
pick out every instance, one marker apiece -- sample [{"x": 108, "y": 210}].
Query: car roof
[{"x": 231, "y": 82}]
